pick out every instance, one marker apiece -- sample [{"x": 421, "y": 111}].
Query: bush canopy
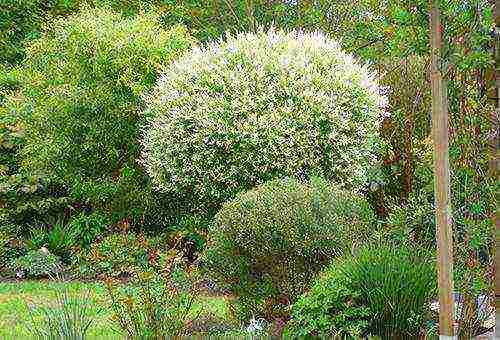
[{"x": 257, "y": 106}]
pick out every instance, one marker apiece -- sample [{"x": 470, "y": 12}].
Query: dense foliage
[
  {"x": 250, "y": 105},
  {"x": 267, "y": 244},
  {"x": 22, "y": 21},
  {"x": 259, "y": 106},
  {"x": 36, "y": 264},
  {"x": 24, "y": 198},
  {"x": 83, "y": 86},
  {"x": 382, "y": 291},
  {"x": 117, "y": 255}
]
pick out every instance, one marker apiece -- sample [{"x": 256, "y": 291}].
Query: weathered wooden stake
[
  {"x": 494, "y": 162},
  {"x": 444, "y": 235}
]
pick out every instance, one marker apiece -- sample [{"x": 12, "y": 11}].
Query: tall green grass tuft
[
  {"x": 70, "y": 318},
  {"x": 397, "y": 284}
]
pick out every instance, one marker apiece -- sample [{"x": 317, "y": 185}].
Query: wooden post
[
  {"x": 444, "y": 235},
  {"x": 494, "y": 162}
]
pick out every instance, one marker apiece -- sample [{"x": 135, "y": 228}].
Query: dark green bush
[
  {"x": 267, "y": 244},
  {"x": 128, "y": 8},
  {"x": 382, "y": 291},
  {"x": 83, "y": 84},
  {"x": 23, "y": 20},
  {"x": 87, "y": 228},
  {"x": 10, "y": 246}
]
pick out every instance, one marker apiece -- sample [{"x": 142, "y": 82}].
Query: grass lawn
[{"x": 14, "y": 297}]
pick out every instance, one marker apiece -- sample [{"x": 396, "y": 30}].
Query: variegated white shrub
[{"x": 258, "y": 106}]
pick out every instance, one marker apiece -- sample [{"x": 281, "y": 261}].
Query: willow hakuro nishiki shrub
[{"x": 257, "y": 106}]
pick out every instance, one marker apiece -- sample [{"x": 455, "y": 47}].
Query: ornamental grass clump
[
  {"x": 83, "y": 82},
  {"x": 258, "y": 106}
]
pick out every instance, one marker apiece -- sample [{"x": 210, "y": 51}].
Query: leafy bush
[
  {"x": 37, "y": 263},
  {"x": 383, "y": 291},
  {"x": 267, "y": 244},
  {"x": 84, "y": 83},
  {"x": 5, "y": 247},
  {"x": 4, "y": 240},
  {"x": 328, "y": 310},
  {"x": 87, "y": 228},
  {"x": 11, "y": 246},
  {"x": 117, "y": 255},
  {"x": 259, "y": 106},
  {"x": 24, "y": 198},
  {"x": 126, "y": 7},
  {"x": 29, "y": 198},
  {"x": 22, "y": 21},
  {"x": 150, "y": 308},
  {"x": 70, "y": 318}
]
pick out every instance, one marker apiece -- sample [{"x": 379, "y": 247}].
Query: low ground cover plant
[
  {"x": 36, "y": 264},
  {"x": 267, "y": 244}
]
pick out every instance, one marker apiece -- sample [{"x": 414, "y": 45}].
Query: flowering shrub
[
  {"x": 267, "y": 244},
  {"x": 84, "y": 83},
  {"x": 259, "y": 106}
]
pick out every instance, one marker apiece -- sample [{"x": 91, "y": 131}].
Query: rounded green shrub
[
  {"x": 383, "y": 291},
  {"x": 235, "y": 114},
  {"x": 266, "y": 245},
  {"x": 84, "y": 81}
]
